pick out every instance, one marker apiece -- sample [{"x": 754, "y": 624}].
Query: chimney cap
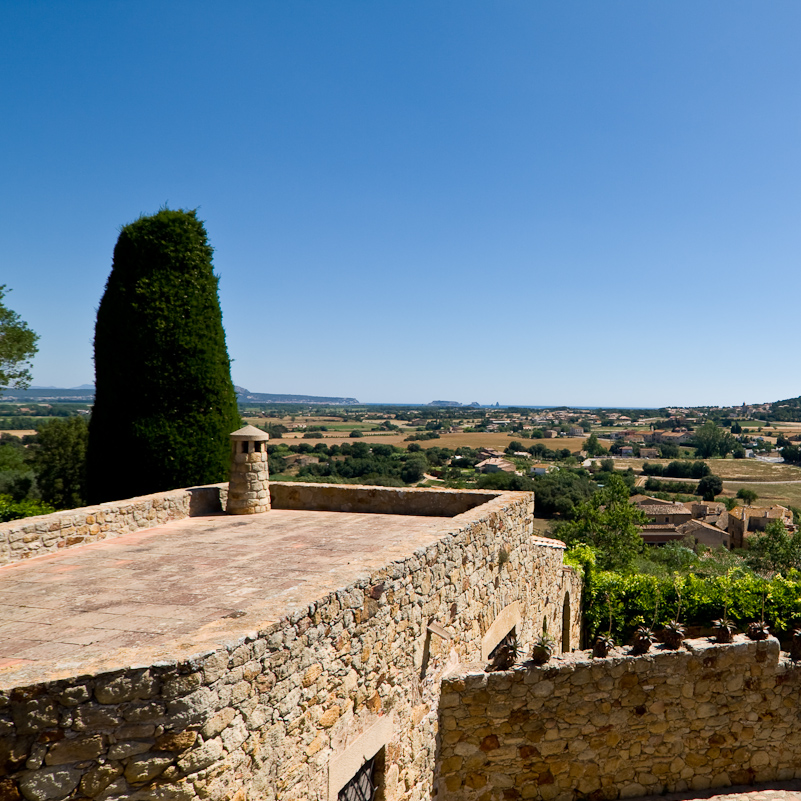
[{"x": 249, "y": 434}]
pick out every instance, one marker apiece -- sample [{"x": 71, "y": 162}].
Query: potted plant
[
  {"x": 760, "y": 630},
  {"x": 543, "y": 649},
  {"x": 795, "y": 646},
  {"x": 643, "y": 639},
  {"x": 604, "y": 643},
  {"x": 505, "y": 654},
  {"x": 673, "y": 633},
  {"x": 724, "y": 628},
  {"x": 543, "y": 646}
]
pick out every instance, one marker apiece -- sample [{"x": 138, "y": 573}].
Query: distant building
[
  {"x": 705, "y": 534},
  {"x": 495, "y": 465},
  {"x": 745, "y": 520}
]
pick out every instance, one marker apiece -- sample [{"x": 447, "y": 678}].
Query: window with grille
[{"x": 361, "y": 786}]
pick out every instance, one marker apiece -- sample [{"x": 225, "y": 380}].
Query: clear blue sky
[{"x": 526, "y": 202}]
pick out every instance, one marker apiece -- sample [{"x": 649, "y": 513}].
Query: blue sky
[{"x": 525, "y": 202}]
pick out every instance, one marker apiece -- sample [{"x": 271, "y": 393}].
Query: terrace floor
[
  {"x": 186, "y": 586},
  {"x": 771, "y": 791}
]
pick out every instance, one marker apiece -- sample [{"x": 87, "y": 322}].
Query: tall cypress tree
[{"x": 164, "y": 401}]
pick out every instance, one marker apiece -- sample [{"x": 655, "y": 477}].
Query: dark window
[
  {"x": 244, "y": 447},
  {"x": 361, "y": 786}
]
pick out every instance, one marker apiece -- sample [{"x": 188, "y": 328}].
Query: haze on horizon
[{"x": 552, "y": 203}]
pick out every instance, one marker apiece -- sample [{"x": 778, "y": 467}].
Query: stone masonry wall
[
  {"x": 276, "y": 714},
  {"x": 384, "y": 500},
  {"x": 33, "y": 536},
  {"x": 704, "y": 716}
]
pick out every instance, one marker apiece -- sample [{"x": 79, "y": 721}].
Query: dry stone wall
[
  {"x": 704, "y": 716},
  {"x": 34, "y": 536},
  {"x": 285, "y": 712},
  {"x": 383, "y": 500}
]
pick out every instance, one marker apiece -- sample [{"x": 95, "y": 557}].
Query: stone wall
[
  {"x": 383, "y": 500},
  {"x": 704, "y": 716},
  {"x": 290, "y": 711},
  {"x": 34, "y": 536}
]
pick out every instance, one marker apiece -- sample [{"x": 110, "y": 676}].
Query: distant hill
[
  {"x": 785, "y": 411},
  {"x": 444, "y": 403},
  {"x": 268, "y": 397},
  {"x": 48, "y": 394},
  {"x": 87, "y": 393}
]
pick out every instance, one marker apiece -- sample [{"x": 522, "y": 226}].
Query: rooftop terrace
[{"x": 190, "y": 585}]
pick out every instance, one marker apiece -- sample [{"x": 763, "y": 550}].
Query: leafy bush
[
  {"x": 655, "y": 485},
  {"x": 15, "y": 510},
  {"x": 703, "y": 599},
  {"x": 561, "y": 491}
]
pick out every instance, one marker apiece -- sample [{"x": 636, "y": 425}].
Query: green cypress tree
[{"x": 164, "y": 401}]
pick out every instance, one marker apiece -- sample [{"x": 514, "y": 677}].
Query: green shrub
[
  {"x": 15, "y": 510},
  {"x": 702, "y": 600}
]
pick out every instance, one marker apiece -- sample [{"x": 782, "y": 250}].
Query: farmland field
[
  {"x": 499, "y": 441},
  {"x": 784, "y": 494}
]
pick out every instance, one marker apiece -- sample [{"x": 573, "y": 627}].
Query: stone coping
[{"x": 294, "y": 558}]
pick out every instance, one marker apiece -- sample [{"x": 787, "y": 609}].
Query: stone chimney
[{"x": 249, "y": 484}]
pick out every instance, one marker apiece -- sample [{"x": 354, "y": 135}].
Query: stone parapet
[
  {"x": 704, "y": 716},
  {"x": 377, "y": 500},
  {"x": 34, "y": 536}
]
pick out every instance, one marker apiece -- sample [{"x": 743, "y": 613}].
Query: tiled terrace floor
[{"x": 185, "y": 586}]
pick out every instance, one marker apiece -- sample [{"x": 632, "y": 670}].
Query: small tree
[
  {"x": 775, "y": 549},
  {"x": 609, "y": 523},
  {"x": 747, "y": 496},
  {"x": 17, "y": 347},
  {"x": 709, "y": 487},
  {"x": 164, "y": 401},
  {"x": 593, "y": 447},
  {"x": 60, "y": 461}
]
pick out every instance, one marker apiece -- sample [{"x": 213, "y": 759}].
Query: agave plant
[
  {"x": 505, "y": 654},
  {"x": 643, "y": 639},
  {"x": 758, "y": 630},
  {"x": 724, "y": 629},
  {"x": 602, "y": 646},
  {"x": 673, "y": 634},
  {"x": 795, "y": 646},
  {"x": 604, "y": 643},
  {"x": 543, "y": 649}
]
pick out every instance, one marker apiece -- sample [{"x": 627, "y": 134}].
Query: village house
[
  {"x": 745, "y": 520},
  {"x": 541, "y": 469},
  {"x": 671, "y": 513},
  {"x": 495, "y": 465},
  {"x": 491, "y": 453},
  {"x": 705, "y": 534}
]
